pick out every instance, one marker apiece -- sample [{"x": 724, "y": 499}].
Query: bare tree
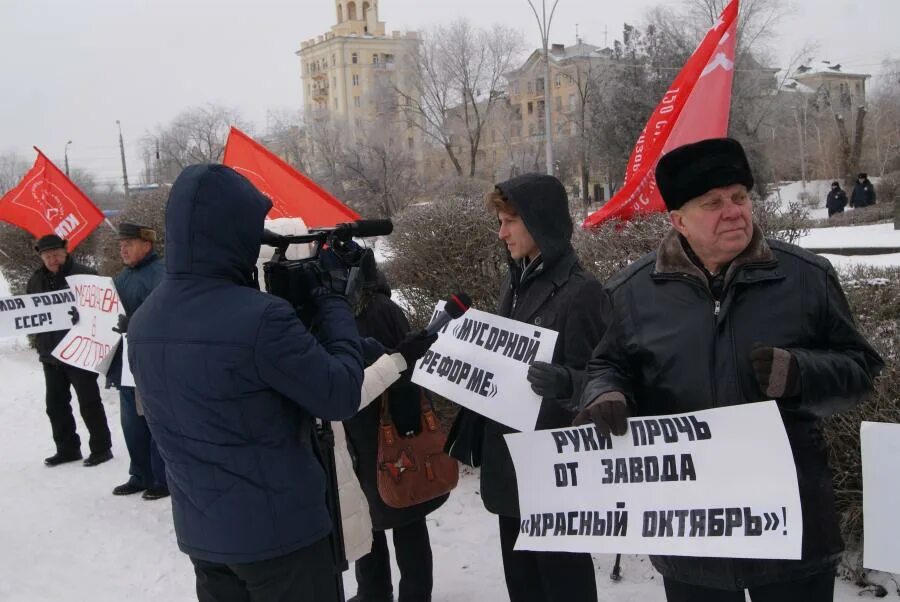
[
  {"x": 196, "y": 135},
  {"x": 380, "y": 172},
  {"x": 457, "y": 82},
  {"x": 286, "y": 138},
  {"x": 12, "y": 168}
]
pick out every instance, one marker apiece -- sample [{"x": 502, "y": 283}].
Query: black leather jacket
[{"x": 672, "y": 348}]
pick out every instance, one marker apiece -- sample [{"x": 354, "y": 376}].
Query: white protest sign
[
  {"x": 716, "y": 483},
  {"x": 33, "y": 314},
  {"x": 127, "y": 377},
  {"x": 481, "y": 361},
  {"x": 91, "y": 343},
  {"x": 880, "y": 444}
]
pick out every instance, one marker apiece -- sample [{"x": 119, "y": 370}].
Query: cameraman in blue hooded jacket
[{"x": 231, "y": 381}]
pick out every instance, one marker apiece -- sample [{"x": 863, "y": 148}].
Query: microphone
[
  {"x": 454, "y": 307},
  {"x": 364, "y": 228}
]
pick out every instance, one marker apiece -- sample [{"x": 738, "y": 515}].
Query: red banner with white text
[
  {"x": 695, "y": 107},
  {"x": 47, "y": 202}
]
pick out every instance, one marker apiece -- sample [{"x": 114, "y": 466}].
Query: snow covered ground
[
  {"x": 816, "y": 190},
  {"x": 874, "y": 235}
]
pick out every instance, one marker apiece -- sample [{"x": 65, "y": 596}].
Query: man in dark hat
[
  {"x": 142, "y": 272},
  {"x": 545, "y": 286},
  {"x": 863, "y": 194},
  {"x": 59, "y": 377},
  {"x": 837, "y": 199},
  {"x": 728, "y": 317}
]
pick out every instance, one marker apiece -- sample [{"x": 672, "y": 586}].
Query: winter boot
[
  {"x": 156, "y": 492},
  {"x": 128, "y": 488},
  {"x": 61, "y": 457},
  {"x": 98, "y": 458}
]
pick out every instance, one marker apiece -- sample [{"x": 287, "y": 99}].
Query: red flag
[
  {"x": 292, "y": 194},
  {"x": 47, "y": 202},
  {"x": 695, "y": 107}
]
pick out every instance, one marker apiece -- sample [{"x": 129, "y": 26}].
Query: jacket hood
[
  {"x": 543, "y": 204},
  {"x": 214, "y": 223}
]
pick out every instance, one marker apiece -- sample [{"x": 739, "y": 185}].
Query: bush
[{"x": 874, "y": 296}]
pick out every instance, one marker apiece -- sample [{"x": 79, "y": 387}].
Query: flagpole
[
  {"x": 4, "y": 254},
  {"x": 109, "y": 223}
]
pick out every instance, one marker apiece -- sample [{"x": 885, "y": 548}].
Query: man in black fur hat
[
  {"x": 718, "y": 316},
  {"x": 863, "y": 194}
]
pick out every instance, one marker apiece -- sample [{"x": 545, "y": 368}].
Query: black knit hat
[
  {"x": 694, "y": 169},
  {"x": 49, "y": 242},
  {"x": 127, "y": 230},
  {"x": 862, "y": 176}
]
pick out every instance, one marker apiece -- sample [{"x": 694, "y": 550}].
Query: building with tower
[{"x": 351, "y": 74}]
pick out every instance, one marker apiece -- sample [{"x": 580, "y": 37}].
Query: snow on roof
[{"x": 823, "y": 67}]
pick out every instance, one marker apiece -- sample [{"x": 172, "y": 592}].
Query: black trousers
[
  {"x": 59, "y": 378},
  {"x": 818, "y": 588},
  {"x": 307, "y": 575},
  {"x": 413, "y": 549},
  {"x": 544, "y": 576}
]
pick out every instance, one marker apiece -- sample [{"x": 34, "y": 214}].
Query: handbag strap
[{"x": 427, "y": 419}]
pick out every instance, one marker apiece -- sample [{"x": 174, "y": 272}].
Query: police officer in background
[
  {"x": 60, "y": 377},
  {"x": 231, "y": 380}
]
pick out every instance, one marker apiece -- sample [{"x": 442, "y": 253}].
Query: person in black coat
[
  {"x": 59, "y": 377},
  {"x": 863, "y": 194},
  {"x": 719, "y": 316},
  {"x": 382, "y": 319},
  {"x": 837, "y": 199},
  {"x": 231, "y": 381},
  {"x": 545, "y": 286}
]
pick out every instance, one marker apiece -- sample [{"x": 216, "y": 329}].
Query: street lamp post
[
  {"x": 544, "y": 25},
  {"x": 122, "y": 151},
  {"x": 66, "y": 154}
]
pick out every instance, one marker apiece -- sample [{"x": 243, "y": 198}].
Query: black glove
[
  {"x": 372, "y": 350},
  {"x": 414, "y": 346},
  {"x": 550, "y": 380},
  {"x": 608, "y": 412},
  {"x": 776, "y": 370},
  {"x": 122, "y": 326},
  {"x": 75, "y": 315}
]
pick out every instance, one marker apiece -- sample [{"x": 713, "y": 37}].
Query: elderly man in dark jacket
[
  {"x": 143, "y": 271},
  {"x": 231, "y": 380},
  {"x": 60, "y": 377},
  {"x": 863, "y": 193},
  {"x": 719, "y": 316},
  {"x": 546, "y": 286}
]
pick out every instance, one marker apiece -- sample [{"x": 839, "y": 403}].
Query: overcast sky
[{"x": 70, "y": 69}]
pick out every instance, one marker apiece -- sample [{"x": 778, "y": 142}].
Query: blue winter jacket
[
  {"x": 230, "y": 379},
  {"x": 134, "y": 285}
]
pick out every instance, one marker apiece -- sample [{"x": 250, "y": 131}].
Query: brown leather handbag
[{"x": 413, "y": 470}]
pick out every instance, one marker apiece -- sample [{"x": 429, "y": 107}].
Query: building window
[
  {"x": 531, "y": 130},
  {"x": 374, "y": 59},
  {"x": 356, "y": 80},
  {"x": 531, "y": 87},
  {"x": 356, "y": 102},
  {"x": 493, "y": 135},
  {"x": 530, "y": 108},
  {"x": 539, "y": 85},
  {"x": 333, "y": 60},
  {"x": 411, "y": 142},
  {"x": 571, "y": 102},
  {"x": 515, "y": 88},
  {"x": 559, "y": 103},
  {"x": 354, "y": 58},
  {"x": 558, "y": 80},
  {"x": 335, "y": 102}
]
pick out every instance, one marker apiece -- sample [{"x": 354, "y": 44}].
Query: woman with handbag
[{"x": 398, "y": 414}]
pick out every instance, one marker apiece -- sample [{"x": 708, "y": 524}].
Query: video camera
[{"x": 336, "y": 261}]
